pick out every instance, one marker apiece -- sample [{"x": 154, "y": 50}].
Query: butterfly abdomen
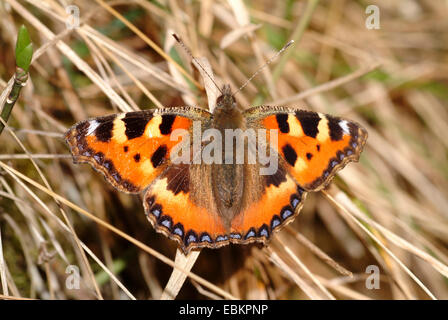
[{"x": 228, "y": 177}]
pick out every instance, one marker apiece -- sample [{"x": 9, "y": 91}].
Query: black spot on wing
[
  {"x": 135, "y": 123},
  {"x": 336, "y": 132},
  {"x": 309, "y": 156},
  {"x": 309, "y": 122},
  {"x": 137, "y": 157},
  {"x": 103, "y": 132},
  {"x": 277, "y": 178},
  {"x": 167, "y": 123},
  {"x": 158, "y": 156},
  {"x": 282, "y": 121},
  {"x": 290, "y": 154}
]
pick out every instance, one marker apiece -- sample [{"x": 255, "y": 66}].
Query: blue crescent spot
[
  {"x": 166, "y": 223},
  {"x": 275, "y": 223},
  {"x": 221, "y": 238},
  {"x": 250, "y": 234},
  {"x": 178, "y": 231},
  {"x": 156, "y": 212},
  {"x": 191, "y": 238},
  {"x": 206, "y": 238},
  {"x": 286, "y": 213},
  {"x": 295, "y": 202},
  {"x": 264, "y": 232}
]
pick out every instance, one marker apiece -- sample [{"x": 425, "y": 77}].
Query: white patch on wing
[
  {"x": 92, "y": 127},
  {"x": 344, "y": 126}
]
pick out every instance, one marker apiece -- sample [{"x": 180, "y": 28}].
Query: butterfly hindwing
[
  {"x": 130, "y": 149},
  {"x": 178, "y": 204},
  {"x": 313, "y": 146},
  {"x": 270, "y": 202}
]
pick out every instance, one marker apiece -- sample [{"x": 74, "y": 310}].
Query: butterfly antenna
[
  {"x": 187, "y": 50},
  {"x": 263, "y": 66}
]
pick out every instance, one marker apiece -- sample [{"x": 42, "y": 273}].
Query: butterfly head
[{"x": 226, "y": 99}]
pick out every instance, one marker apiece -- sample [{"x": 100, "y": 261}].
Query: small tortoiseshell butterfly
[{"x": 211, "y": 205}]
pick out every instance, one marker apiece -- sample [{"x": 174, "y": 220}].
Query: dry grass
[{"x": 390, "y": 210}]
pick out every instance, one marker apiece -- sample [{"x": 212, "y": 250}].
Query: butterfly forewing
[
  {"x": 313, "y": 146},
  {"x": 130, "y": 149}
]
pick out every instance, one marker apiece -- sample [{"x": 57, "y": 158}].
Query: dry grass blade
[
  {"x": 296, "y": 36},
  {"x": 307, "y": 271},
  {"x": 116, "y": 231},
  {"x": 66, "y": 50},
  {"x": 322, "y": 255},
  {"x": 395, "y": 239},
  {"x": 44, "y": 179},
  {"x": 34, "y": 156},
  {"x": 136, "y": 81},
  {"x": 147, "y": 40},
  {"x": 308, "y": 290},
  {"x": 177, "y": 279},
  {"x": 234, "y": 35},
  {"x": 327, "y": 86},
  {"x": 211, "y": 87},
  {"x": 3, "y": 269},
  {"x": 67, "y": 229},
  {"x": 14, "y": 298},
  {"x": 380, "y": 243}
]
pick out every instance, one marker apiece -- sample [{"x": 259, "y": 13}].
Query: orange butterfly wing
[
  {"x": 314, "y": 146},
  {"x": 277, "y": 206},
  {"x": 181, "y": 207},
  {"x": 130, "y": 149}
]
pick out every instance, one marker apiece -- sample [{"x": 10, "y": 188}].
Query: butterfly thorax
[{"x": 227, "y": 178}]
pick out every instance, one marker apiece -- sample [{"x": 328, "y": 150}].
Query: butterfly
[{"x": 211, "y": 204}]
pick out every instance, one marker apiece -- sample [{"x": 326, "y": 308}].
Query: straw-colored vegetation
[{"x": 390, "y": 210}]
